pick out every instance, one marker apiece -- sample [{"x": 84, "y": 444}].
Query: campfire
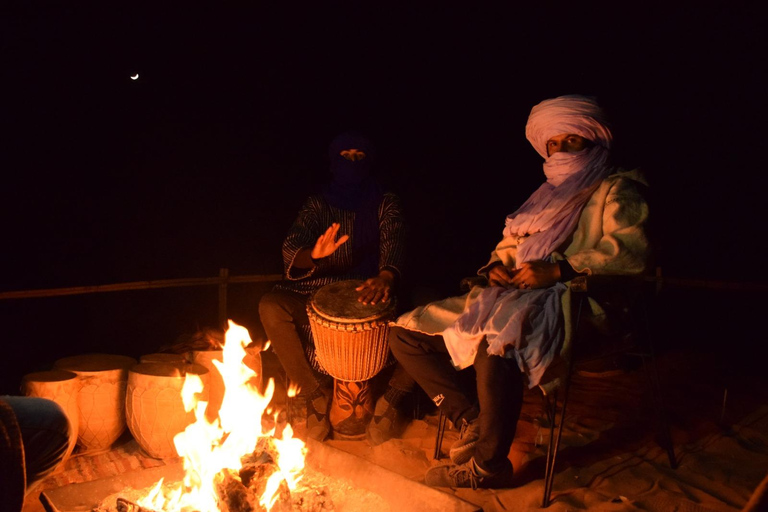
[
  {"x": 236, "y": 462},
  {"x": 244, "y": 458}
]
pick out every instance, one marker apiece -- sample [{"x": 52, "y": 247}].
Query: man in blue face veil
[{"x": 350, "y": 229}]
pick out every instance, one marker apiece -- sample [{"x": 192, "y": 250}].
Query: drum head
[
  {"x": 168, "y": 369},
  {"x": 338, "y": 302},
  {"x": 95, "y": 363}
]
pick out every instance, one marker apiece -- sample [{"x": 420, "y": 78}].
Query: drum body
[
  {"x": 100, "y": 398},
  {"x": 215, "y": 380},
  {"x": 154, "y": 408},
  {"x": 351, "y": 343},
  {"x": 61, "y": 386}
]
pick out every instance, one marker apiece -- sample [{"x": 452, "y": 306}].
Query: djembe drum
[
  {"x": 216, "y": 388},
  {"x": 154, "y": 407},
  {"x": 100, "y": 398},
  {"x": 351, "y": 345},
  {"x": 62, "y": 387}
]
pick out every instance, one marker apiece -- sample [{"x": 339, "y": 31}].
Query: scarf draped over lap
[{"x": 527, "y": 324}]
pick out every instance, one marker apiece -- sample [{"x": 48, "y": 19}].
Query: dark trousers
[
  {"x": 44, "y": 434},
  {"x": 499, "y": 385},
  {"x": 286, "y": 324},
  {"x": 284, "y": 317}
]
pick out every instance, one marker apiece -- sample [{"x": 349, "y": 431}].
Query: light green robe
[{"x": 610, "y": 238}]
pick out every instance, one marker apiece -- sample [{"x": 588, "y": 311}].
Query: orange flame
[{"x": 207, "y": 448}]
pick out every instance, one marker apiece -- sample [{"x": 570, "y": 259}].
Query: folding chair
[{"x": 628, "y": 332}]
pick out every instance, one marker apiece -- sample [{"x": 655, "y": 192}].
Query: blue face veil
[{"x": 354, "y": 189}]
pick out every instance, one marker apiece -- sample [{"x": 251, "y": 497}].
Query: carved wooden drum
[
  {"x": 154, "y": 408},
  {"x": 352, "y": 346},
  {"x": 62, "y": 387},
  {"x": 100, "y": 398}
]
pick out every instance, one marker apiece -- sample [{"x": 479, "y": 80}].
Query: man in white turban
[{"x": 586, "y": 218}]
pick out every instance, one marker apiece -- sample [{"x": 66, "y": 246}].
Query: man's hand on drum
[
  {"x": 376, "y": 289},
  {"x": 326, "y": 243}
]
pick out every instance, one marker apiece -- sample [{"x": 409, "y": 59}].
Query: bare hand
[
  {"x": 536, "y": 274},
  {"x": 376, "y": 289},
  {"x": 500, "y": 276},
  {"x": 326, "y": 243}
]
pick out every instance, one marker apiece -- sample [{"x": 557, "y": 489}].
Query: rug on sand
[{"x": 609, "y": 458}]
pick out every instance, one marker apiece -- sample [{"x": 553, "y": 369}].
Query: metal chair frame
[
  {"x": 580, "y": 287},
  {"x": 644, "y": 335}
]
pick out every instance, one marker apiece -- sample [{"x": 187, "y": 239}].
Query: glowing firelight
[{"x": 208, "y": 448}]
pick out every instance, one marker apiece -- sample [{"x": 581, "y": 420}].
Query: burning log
[
  {"x": 124, "y": 505},
  {"x": 233, "y": 495},
  {"x": 267, "y": 477}
]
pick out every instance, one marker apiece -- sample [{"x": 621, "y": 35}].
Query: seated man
[
  {"x": 587, "y": 218},
  {"x": 351, "y": 229}
]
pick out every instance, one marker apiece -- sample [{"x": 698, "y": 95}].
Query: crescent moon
[{"x": 134, "y": 77}]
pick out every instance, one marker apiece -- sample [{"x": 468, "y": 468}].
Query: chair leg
[
  {"x": 441, "y": 421},
  {"x": 554, "y": 443},
  {"x": 551, "y": 404},
  {"x": 721, "y": 420},
  {"x": 652, "y": 372}
]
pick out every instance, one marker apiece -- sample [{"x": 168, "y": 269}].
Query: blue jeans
[{"x": 44, "y": 434}]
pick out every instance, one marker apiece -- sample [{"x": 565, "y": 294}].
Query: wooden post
[{"x": 223, "y": 278}]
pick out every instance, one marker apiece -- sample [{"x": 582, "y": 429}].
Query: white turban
[
  {"x": 572, "y": 113},
  {"x": 550, "y": 214}
]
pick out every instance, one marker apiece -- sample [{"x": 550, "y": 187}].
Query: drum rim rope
[
  {"x": 383, "y": 310},
  {"x": 348, "y": 326}
]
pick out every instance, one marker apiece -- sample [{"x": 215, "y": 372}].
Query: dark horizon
[{"x": 203, "y": 161}]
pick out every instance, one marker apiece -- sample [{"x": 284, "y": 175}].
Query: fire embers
[{"x": 241, "y": 491}]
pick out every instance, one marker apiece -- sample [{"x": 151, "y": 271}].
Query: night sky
[{"x": 204, "y": 160}]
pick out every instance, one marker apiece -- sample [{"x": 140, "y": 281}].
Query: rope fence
[{"x": 223, "y": 280}]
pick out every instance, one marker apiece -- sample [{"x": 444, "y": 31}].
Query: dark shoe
[
  {"x": 463, "y": 449},
  {"x": 318, "y": 424},
  {"x": 384, "y": 423},
  {"x": 469, "y": 475}
]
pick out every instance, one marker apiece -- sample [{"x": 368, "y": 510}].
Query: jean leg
[
  {"x": 44, "y": 433},
  {"x": 500, "y": 396},
  {"x": 401, "y": 379},
  {"x": 425, "y": 358},
  {"x": 283, "y": 315}
]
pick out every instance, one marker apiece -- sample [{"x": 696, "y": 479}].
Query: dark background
[{"x": 203, "y": 162}]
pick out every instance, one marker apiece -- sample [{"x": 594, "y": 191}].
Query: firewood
[
  {"x": 124, "y": 505},
  {"x": 233, "y": 494}
]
